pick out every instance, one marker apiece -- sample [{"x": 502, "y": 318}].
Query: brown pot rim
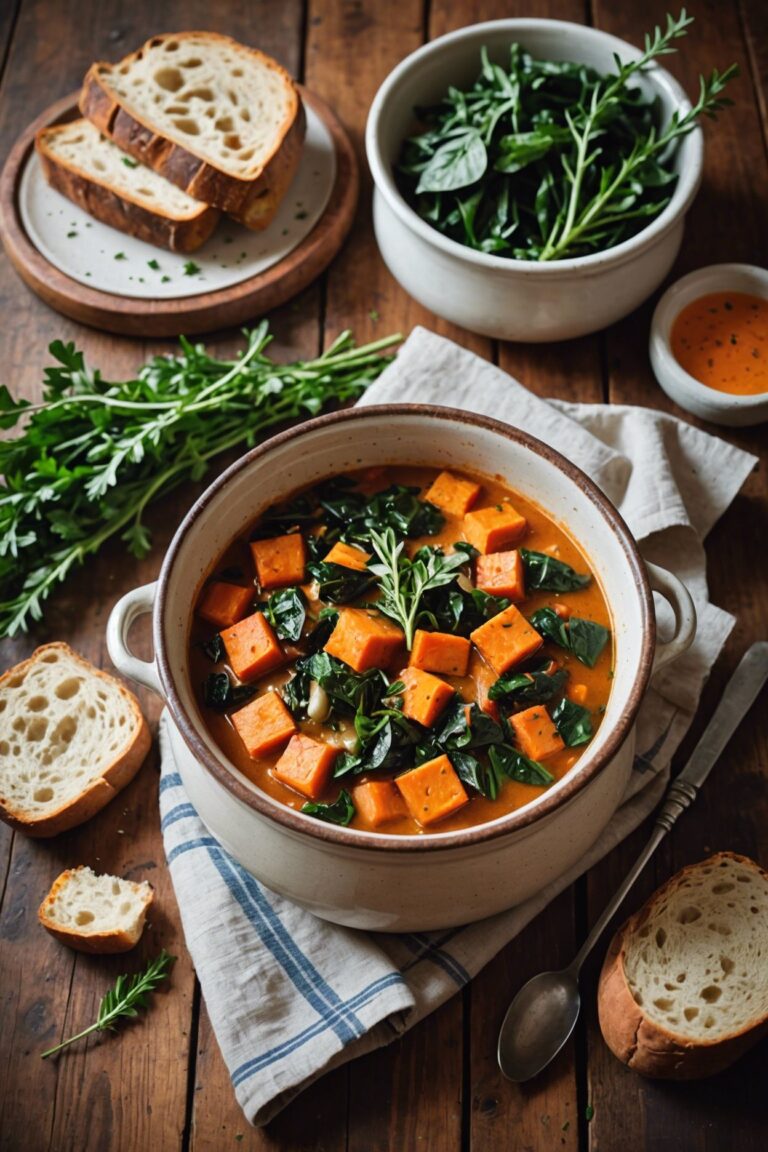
[{"x": 515, "y": 821}]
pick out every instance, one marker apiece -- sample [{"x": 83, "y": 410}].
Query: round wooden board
[{"x": 224, "y": 308}]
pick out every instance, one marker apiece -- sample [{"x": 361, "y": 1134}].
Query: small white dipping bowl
[
  {"x": 505, "y": 298},
  {"x": 684, "y": 389}
]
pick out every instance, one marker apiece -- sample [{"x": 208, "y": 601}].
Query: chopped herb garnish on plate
[
  {"x": 130, "y": 162},
  {"x": 154, "y": 265},
  {"x": 191, "y": 269}
]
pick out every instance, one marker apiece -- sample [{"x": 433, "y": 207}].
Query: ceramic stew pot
[{"x": 373, "y": 880}]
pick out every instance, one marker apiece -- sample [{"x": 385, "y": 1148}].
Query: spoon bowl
[{"x": 538, "y": 1023}]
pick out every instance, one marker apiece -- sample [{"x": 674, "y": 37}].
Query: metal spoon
[{"x": 543, "y": 1014}]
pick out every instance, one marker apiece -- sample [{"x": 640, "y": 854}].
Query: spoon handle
[{"x": 740, "y": 693}]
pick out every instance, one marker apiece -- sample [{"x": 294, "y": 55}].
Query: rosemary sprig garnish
[
  {"x": 403, "y": 581},
  {"x": 124, "y": 1001}
]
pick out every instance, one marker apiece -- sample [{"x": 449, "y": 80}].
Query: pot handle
[
  {"x": 679, "y": 598},
  {"x": 134, "y": 604}
]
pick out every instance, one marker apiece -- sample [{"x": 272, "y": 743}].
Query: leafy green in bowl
[{"x": 543, "y": 160}]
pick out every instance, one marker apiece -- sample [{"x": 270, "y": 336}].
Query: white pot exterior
[
  {"x": 355, "y": 886},
  {"x": 371, "y": 880},
  {"x": 492, "y": 295}
]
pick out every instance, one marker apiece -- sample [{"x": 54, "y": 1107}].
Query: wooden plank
[
  {"x": 351, "y": 48},
  {"x": 755, "y": 23},
  {"x": 542, "y": 1113},
  {"x": 726, "y": 223}
]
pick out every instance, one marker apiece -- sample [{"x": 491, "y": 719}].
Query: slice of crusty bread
[
  {"x": 222, "y": 121},
  {"x": 95, "y": 913},
  {"x": 90, "y": 170},
  {"x": 684, "y": 987},
  {"x": 71, "y": 737}
]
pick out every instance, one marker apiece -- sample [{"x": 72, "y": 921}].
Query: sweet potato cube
[
  {"x": 348, "y": 556},
  {"x": 263, "y": 724},
  {"x": 506, "y": 639},
  {"x": 378, "y": 802},
  {"x": 432, "y": 791},
  {"x": 483, "y": 676},
  {"x": 536, "y": 733},
  {"x": 501, "y": 574},
  {"x": 491, "y": 529},
  {"x": 252, "y": 647},
  {"x": 440, "y": 652},
  {"x": 224, "y": 604},
  {"x": 365, "y": 639},
  {"x": 425, "y": 696},
  {"x": 306, "y": 766},
  {"x": 279, "y": 561},
  {"x": 453, "y": 494},
  {"x": 577, "y": 693}
]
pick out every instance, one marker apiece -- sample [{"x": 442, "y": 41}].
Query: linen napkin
[{"x": 291, "y": 996}]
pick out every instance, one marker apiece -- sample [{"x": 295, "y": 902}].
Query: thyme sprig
[
  {"x": 95, "y": 454},
  {"x": 403, "y": 581},
  {"x": 124, "y": 1001}
]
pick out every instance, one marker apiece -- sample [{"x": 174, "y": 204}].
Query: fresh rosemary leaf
[
  {"x": 404, "y": 582},
  {"x": 128, "y": 997}
]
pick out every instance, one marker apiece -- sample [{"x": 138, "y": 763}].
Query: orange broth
[
  {"x": 541, "y": 535},
  {"x": 721, "y": 340}
]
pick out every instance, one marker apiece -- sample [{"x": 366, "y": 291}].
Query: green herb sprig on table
[
  {"x": 404, "y": 582},
  {"x": 547, "y": 160},
  {"x": 129, "y": 995},
  {"x": 92, "y": 457}
]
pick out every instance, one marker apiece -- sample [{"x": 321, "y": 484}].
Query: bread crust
[
  {"x": 254, "y": 201},
  {"x": 95, "y": 943},
  {"x": 114, "y": 778},
  {"x": 120, "y": 210},
  {"x": 644, "y": 1045}
]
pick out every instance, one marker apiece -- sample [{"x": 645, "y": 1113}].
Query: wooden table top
[{"x": 161, "y": 1084}]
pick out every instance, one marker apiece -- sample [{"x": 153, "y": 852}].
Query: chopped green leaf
[
  {"x": 286, "y": 611},
  {"x": 573, "y": 722},
  {"x": 191, "y": 269},
  {"x": 337, "y": 584},
  {"x": 518, "y": 767},
  {"x": 546, "y": 574},
  {"x": 120, "y": 256},
  {"x": 586, "y": 639},
  {"x": 341, "y": 811},
  {"x": 220, "y": 693},
  {"x": 129, "y": 162},
  {"x": 154, "y": 265}
]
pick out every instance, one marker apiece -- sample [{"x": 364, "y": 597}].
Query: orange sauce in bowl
[{"x": 721, "y": 340}]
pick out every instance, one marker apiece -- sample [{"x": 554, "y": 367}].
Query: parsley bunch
[{"x": 96, "y": 453}]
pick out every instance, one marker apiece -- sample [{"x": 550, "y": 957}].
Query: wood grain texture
[{"x": 161, "y": 1084}]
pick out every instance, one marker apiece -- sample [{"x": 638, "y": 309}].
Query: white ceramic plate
[{"x": 103, "y": 258}]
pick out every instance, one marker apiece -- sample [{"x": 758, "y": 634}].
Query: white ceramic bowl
[
  {"x": 686, "y": 390},
  {"x": 383, "y": 881},
  {"x": 517, "y": 299}
]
